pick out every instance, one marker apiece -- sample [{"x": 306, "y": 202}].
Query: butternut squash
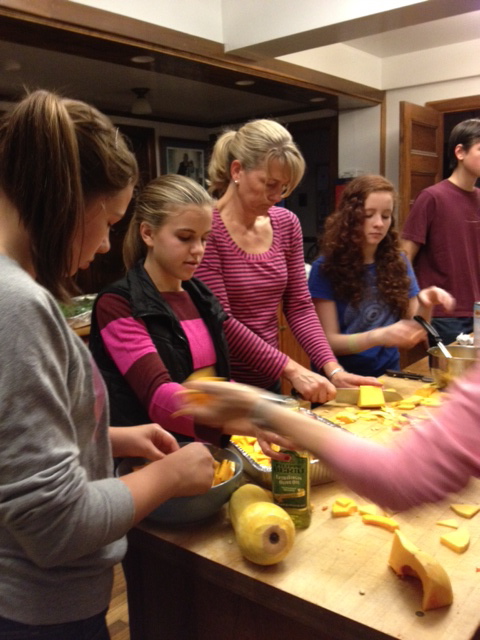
[
  {"x": 408, "y": 560},
  {"x": 370, "y": 396},
  {"x": 264, "y": 531}
]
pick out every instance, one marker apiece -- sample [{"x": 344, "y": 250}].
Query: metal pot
[{"x": 443, "y": 369}]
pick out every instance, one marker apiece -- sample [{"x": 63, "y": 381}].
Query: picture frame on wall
[{"x": 184, "y": 157}]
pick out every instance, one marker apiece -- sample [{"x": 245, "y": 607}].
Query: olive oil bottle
[{"x": 291, "y": 486}]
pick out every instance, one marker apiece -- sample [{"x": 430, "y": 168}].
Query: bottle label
[
  {"x": 290, "y": 481},
  {"x": 476, "y": 324}
]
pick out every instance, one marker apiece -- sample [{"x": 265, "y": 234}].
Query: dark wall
[{"x": 314, "y": 198}]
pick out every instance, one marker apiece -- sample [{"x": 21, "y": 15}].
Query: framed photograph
[{"x": 185, "y": 157}]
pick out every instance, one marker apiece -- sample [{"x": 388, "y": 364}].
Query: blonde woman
[{"x": 254, "y": 263}]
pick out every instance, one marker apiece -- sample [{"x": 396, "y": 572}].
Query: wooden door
[{"x": 421, "y": 152}]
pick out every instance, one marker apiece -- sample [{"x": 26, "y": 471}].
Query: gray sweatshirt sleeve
[{"x": 58, "y": 499}]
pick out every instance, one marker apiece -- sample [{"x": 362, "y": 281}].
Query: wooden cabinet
[{"x": 288, "y": 344}]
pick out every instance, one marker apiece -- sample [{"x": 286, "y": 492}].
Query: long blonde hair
[
  {"x": 156, "y": 202},
  {"x": 255, "y": 145}
]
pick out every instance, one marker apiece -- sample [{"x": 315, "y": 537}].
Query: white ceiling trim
[{"x": 258, "y": 29}]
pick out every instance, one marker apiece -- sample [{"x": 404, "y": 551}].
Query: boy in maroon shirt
[{"x": 441, "y": 236}]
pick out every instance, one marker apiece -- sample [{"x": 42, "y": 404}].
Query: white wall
[
  {"x": 359, "y": 142},
  {"x": 201, "y": 18}
]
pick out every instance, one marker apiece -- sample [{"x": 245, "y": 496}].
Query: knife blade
[{"x": 350, "y": 395}]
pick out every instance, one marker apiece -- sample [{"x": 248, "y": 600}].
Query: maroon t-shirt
[{"x": 445, "y": 221}]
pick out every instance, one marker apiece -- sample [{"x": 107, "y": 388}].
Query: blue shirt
[{"x": 371, "y": 313}]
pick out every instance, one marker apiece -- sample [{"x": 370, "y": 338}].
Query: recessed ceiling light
[
  {"x": 142, "y": 59},
  {"x": 317, "y": 99},
  {"x": 11, "y": 65},
  {"x": 244, "y": 83}
]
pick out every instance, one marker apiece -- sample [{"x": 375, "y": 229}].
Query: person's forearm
[
  {"x": 346, "y": 344},
  {"x": 150, "y": 487},
  {"x": 120, "y": 441}
]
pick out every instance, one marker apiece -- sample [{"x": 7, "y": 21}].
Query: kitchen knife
[
  {"x": 408, "y": 375},
  {"x": 350, "y": 395},
  {"x": 430, "y": 329}
]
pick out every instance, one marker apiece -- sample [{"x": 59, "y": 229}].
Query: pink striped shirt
[{"x": 251, "y": 287}]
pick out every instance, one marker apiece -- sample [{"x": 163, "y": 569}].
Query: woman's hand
[
  {"x": 343, "y": 379},
  {"x": 311, "y": 386},
  {"x": 149, "y": 441}
]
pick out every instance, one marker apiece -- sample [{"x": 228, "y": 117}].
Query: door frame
[{"x": 454, "y": 105}]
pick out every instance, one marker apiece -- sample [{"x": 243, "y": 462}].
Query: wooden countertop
[{"x": 337, "y": 577}]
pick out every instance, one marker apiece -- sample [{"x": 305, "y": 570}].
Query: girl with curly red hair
[{"x": 363, "y": 287}]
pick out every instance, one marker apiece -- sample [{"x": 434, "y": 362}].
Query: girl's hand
[
  {"x": 192, "y": 466},
  {"x": 403, "y": 333},
  {"x": 432, "y": 296},
  {"x": 149, "y": 441},
  {"x": 217, "y": 403},
  {"x": 267, "y": 438}
]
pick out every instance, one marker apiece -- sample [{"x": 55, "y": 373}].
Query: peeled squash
[
  {"x": 370, "y": 396},
  {"x": 264, "y": 531},
  {"x": 408, "y": 560}
]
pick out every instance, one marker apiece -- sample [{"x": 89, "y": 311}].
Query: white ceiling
[{"x": 446, "y": 31}]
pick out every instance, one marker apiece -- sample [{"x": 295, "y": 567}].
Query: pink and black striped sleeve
[{"x": 128, "y": 343}]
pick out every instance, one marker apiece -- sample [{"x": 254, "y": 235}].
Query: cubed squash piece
[
  {"x": 381, "y": 521},
  {"x": 370, "y": 396},
  {"x": 456, "y": 540},
  {"x": 345, "y": 417},
  {"x": 465, "y": 510},
  {"x": 451, "y": 523},
  {"x": 370, "y": 509},
  {"x": 343, "y": 506}
]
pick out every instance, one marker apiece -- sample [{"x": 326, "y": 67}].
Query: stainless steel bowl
[
  {"x": 443, "y": 369},
  {"x": 190, "y": 509}
]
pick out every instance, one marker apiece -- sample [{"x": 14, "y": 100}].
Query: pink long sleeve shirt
[
  {"x": 423, "y": 464},
  {"x": 251, "y": 287}
]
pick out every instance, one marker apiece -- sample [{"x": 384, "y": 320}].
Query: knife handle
[{"x": 394, "y": 373}]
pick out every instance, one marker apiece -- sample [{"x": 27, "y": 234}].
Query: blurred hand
[
  {"x": 404, "y": 333},
  {"x": 149, "y": 441},
  {"x": 432, "y": 296},
  {"x": 267, "y": 438},
  {"x": 216, "y": 403}
]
